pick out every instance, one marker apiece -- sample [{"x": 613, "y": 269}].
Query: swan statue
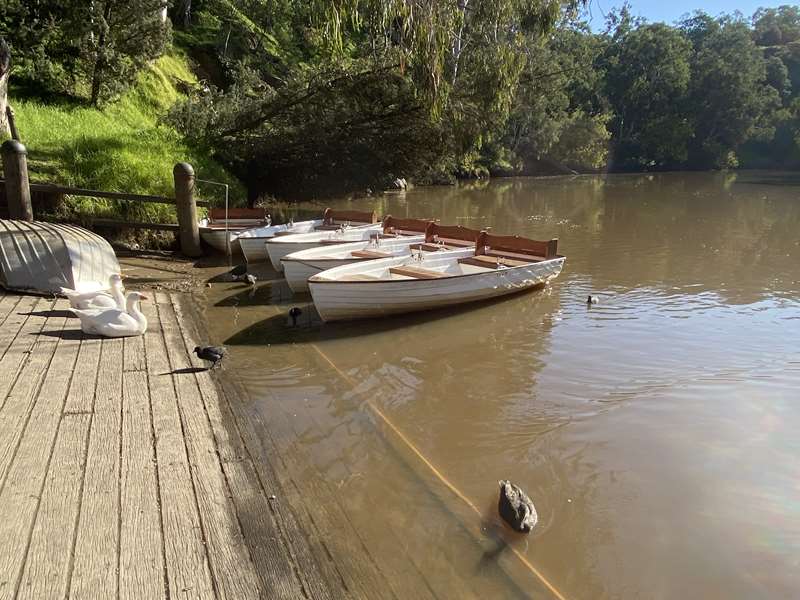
[
  {"x": 111, "y": 297},
  {"x": 114, "y": 322}
]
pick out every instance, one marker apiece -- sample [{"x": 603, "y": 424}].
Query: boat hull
[
  {"x": 347, "y": 300},
  {"x": 279, "y": 247},
  {"x": 297, "y": 272},
  {"x": 253, "y": 241},
  {"x": 216, "y": 239}
]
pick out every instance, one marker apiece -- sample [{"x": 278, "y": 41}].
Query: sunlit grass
[{"x": 122, "y": 147}]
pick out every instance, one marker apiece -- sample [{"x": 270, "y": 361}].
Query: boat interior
[
  {"x": 492, "y": 252},
  {"x": 334, "y": 219},
  {"x": 236, "y": 218}
]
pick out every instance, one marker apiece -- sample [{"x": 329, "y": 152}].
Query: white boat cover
[{"x": 43, "y": 257}]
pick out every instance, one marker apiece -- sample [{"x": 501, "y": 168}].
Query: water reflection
[{"x": 654, "y": 430}]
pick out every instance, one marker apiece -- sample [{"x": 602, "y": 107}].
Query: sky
[{"x": 672, "y": 10}]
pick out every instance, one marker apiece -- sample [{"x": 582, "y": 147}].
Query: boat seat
[
  {"x": 493, "y": 262},
  {"x": 431, "y": 247},
  {"x": 416, "y": 272},
  {"x": 528, "y": 258},
  {"x": 370, "y": 254}
]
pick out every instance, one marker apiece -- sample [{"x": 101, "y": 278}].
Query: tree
[
  {"x": 120, "y": 37},
  {"x": 729, "y": 97},
  {"x": 647, "y": 73}
]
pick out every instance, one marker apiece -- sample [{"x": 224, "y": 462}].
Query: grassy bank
[{"x": 121, "y": 147}]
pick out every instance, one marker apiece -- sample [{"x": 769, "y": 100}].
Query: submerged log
[{"x": 516, "y": 508}]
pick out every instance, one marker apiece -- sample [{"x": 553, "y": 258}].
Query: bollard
[
  {"x": 18, "y": 189},
  {"x": 183, "y": 174}
]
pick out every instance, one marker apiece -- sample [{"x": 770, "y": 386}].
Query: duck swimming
[
  {"x": 114, "y": 322},
  {"x": 111, "y": 297}
]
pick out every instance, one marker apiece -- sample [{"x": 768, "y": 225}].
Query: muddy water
[{"x": 657, "y": 431}]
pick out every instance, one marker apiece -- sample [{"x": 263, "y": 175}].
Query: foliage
[
  {"x": 83, "y": 48},
  {"x": 121, "y": 147}
]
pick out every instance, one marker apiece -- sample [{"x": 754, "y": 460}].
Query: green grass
[{"x": 122, "y": 147}]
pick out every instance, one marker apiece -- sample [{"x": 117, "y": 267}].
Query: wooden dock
[{"x": 127, "y": 471}]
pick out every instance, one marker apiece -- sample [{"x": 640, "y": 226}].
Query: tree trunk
[
  {"x": 100, "y": 60},
  {"x": 5, "y": 64}
]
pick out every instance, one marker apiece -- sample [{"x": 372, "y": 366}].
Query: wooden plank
[
  {"x": 96, "y": 559},
  {"x": 21, "y": 398},
  {"x": 7, "y": 305},
  {"x": 22, "y": 488},
  {"x": 47, "y": 567},
  {"x": 319, "y": 575},
  {"x": 51, "y": 188},
  {"x": 134, "y": 358},
  {"x": 13, "y": 325},
  {"x": 416, "y": 272},
  {"x": 141, "y": 560},
  {"x": 269, "y": 551},
  {"x": 184, "y": 545},
  {"x": 230, "y": 561},
  {"x": 84, "y": 379}
]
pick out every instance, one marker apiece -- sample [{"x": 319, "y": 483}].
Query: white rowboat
[
  {"x": 252, "y": 241},
  {"x": 399, "y": 238},
  {"x": 498, "y": 265},
  {"x": 335, "y": 229},
  {"x": 223, "y": 227}
]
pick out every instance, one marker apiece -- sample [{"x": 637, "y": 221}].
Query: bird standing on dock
[{"x": 213, "y": 354}]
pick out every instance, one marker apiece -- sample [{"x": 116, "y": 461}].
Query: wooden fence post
[
  {"x": 18, "y": 189},
  {"x": 183, "y": 174}
]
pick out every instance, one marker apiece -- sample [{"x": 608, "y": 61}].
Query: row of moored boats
[{"x": 355, "y": 266}]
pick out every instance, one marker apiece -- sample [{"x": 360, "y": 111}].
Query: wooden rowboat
[
  {"x": 397, "y": 239},
  {"x": 496, "y": 266},
  {"x": 338, "y": 227}
]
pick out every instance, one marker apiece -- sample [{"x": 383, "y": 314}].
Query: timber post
[
  {"x": 188, "y": 228},
  {"x": 18, "y": 189}
]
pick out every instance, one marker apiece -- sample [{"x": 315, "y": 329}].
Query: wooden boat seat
[
  {"x": 528, "y": 258},
  {"x": 369, "y": 254},
  {"x": 432, "y": 247},
  {"x": 493, "y": 262},
  {"x": 416, "y": 272}
]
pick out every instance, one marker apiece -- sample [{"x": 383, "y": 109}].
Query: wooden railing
[{"x": 18, "y": 197}]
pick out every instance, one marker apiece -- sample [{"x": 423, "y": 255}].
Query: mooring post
[
  {"x": 187, "y": 210},
  {"x": 18, "y": 189}
]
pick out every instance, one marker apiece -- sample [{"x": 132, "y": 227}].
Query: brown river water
[{"x": 658, "y": 431}]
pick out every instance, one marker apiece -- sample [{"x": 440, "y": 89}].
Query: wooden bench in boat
[
  {"x": 416, "y": 272},
  {"x": 494, "y": 262},
  {"x": 333, "y": 219},
  {"x": 370, "y": 254}
]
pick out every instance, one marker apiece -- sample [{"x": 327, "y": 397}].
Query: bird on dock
[
  {"x": 213, "y": 354},
  {"x": 294, "y": 313},
  {"x": 592, "y": 300},
  {"x": 250, "y": 279}
]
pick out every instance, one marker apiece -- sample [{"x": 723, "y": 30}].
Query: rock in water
[{"x": 516, "y": 508}]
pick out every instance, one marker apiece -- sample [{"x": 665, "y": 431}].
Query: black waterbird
[
  {"x": 213, "y": 354},
  {"x": 294, "y": 313}
]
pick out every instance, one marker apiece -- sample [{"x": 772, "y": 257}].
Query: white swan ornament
[
  {"x": 113, "y": 322},
  {"x": 112, "y": 297}
]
